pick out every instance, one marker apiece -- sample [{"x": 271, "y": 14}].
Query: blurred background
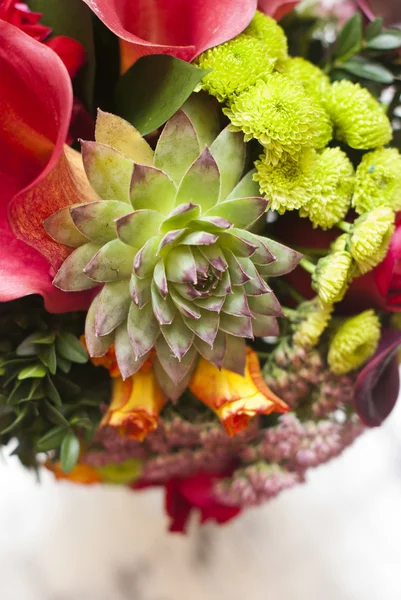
[{"x": 336, "y": 538}]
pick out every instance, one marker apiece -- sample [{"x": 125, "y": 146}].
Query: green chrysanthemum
[
  {"x": 315, "y": 317},
  {"x": 168, "y": 238},
  {"x": 268, "y": 31},
  {"x": 236, "y": 65},
  {"x": 359, "y": 119},
  {"x": 315, "y": 82},
  {"x": 370, "y": 237},
  {"x": 291, "y": 183},
  {"x": 332, "y": 276},
  {"x": 333, "y": 192},
  {"x": 277, "y": 112},
  {"x": 354, "y": 342},
  {"x": 378, "y": 181}
]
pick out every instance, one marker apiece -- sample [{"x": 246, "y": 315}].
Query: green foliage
[{"x": 39, "y": 406}]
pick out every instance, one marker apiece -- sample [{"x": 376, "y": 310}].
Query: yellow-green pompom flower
[
  {"x": 236, "y": 65},
  {"x": 332, "y": 200},
  {"x": 359, "y": 120},
  {"x": 378, "y": 181},
  {"x": 370, "y": 237},
  {"x": 314, "y": 81},
  {"x": 354, "y": 342},
  {"x": 277, "y": 112},
  {"x": 315, "y": 317},
  {"x": 268, "y": 31},
  {"x": 332, "y": 276},
  {"x": 289, "y": 184}
]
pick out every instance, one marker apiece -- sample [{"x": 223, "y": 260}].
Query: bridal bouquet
[{"x": 200, "y": 249}]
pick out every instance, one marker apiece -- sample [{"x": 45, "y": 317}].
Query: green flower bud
[
  {"x": 333, "y": 192},
  {"x": 315, "y": 317},
  {"x": 370, "y": 237},
  {"x": 354, "y": 342},
  {"x": 290, "y": 184},
  {"x": 378, "y": 181},
  {"x": 268, "y": 31},
  {"x": 277, "y": 112},
  {"x": 359, "y": 119},
  {"x": 332, "y": 276},
  {"x": 236, "y": 65}
]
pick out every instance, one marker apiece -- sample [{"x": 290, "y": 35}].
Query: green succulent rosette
[{"x": 169, "y": 240}]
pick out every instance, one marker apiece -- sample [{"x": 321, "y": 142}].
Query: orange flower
[
  {"x": 135, "y": 405},
  {"x": 80, "y": 474},
  {"x": 235, "y": 399}
]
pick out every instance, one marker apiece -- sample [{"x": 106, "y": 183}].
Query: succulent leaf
[
  {"x": 61, "y": 228},
  {"x": 121, "y": 135},
  {"x": 95, "y": 220},
  {"x": 109, "y": 172},
  {"x": 228, "y": 150},
  {"x": 143, "y": 329},
  {"x": 202, "y": 111},
  {"x": 137, "y": 227},
  {"x": 126, "y": 359},
  {"x": 201, "y": 183},
  {"x": 111, "y": 263},
  {"x": 71, "y": 277},
  {"x": 241, "y": 212},
  {"x": 112, "y": 307},
  {"x": 97, "y": 346},
  {"x": 152, "y": 189}
]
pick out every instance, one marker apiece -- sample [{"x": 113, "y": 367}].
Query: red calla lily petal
[
  {"x": 277, "y": 8},
  {"x": 71, "y": 52},
  {"x": 35, "y": 110},
  {"x": 182, "y": 28},
  {"x": 377, "y": 385}
]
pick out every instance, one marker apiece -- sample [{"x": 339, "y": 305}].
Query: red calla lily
[
  {"x": 181, "y": 28},
  {"x": 35, "y": 111},
  {"x": 378, "y": 384},
  {"x": 277, "y": 8}
]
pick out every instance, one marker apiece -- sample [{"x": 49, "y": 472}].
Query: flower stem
[
  {"x": 307, "y": 265},
  {"x": 344, "y": 226}
]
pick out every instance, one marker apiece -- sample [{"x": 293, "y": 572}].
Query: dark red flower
[
  {"x": 277, "y": 8},
  {"x": 71, "y": 52},
  {"x": 390, "y": 10},
  {"x": 196, "y": 492},
  {"x": 19, "y": 14}
]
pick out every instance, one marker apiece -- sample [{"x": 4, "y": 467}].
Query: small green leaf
[
  {"x": 52, "y": 439},
  {"x": 52, "y": 392},
  {"x": 54, "y": 415},
  {"x": 69, "y": 452},
  {"x": 349, "y": 39},
  {"x": 84, "y": 422},
  {"x": 368, "y": 70},
  {"x": 154, "y": 88},
  {"x": 63, "y": 364},
  {"x": 374, "y": 28},
  {"x": 32, "y": 372},
  {"x": 385, "y": 41},
  {"x": 47, "y": 355},
  {"x": 19, "y": 418},
  {"x": 69, "y": 347},
  {"x": 19, "y": 392}
]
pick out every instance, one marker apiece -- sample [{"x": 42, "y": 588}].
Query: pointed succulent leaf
[
  {"x": 188, "y": 291},
  {"x": 121, "y": 135},
  {"x": 287, "y": 259},
  {"x": 237, "y": 304},
  {"x": 206, "y": 327},
  {"x": 263, "y": 254},
  {"x": 163, "y": 308},
  {"x": 113, "y": 305},
  {"x": 202, "y": 264},
  {"x": 224, "y": 287},
  {"x": 186, "y": 308},
  {"x": 143, "y": 329},
  {"x": 95, "y": 220},
  {"x": 169, "y": 240},
  {"x": 180, "y": 217},
  {"x": 203, "y": 112},
  {"x": 61, "y": 228},
  {"x": 238, "y": 244},
  {"x": 172, "y": 390},
  {"x": 175, "y": 369},
  {"x": 256, "y": 286},
  {"x": 160, "y": 279},
  {"x": 97, "y": 346},
  {"x": 198, "y": 238},
  {"x": 136, "y": 228},
  {"x": 152, "y": 189},
  {"x": 177, "y": 147},
  {"x": 201, "y": 183},
  {"x": 181, "y": 266},
  {"x": 146, "y": 258},
  {"x": 178, "y": 337},
  {"x": 112, "y": 262},
  {"x": 265, "y": 326},
  {"x": 238, "y": 326},
  {"x": 109, "y": 172},
  {"x": 126, "y": 360},
  {"x": 266, "y": 304},
  {"x": 140, "y": 290},
  {"x": 228, "y": 150},
  {"x": 211, "y": 224},
  {"x": 213, "y": 303},
  {"x": 237, "y": 273},
  {"x": 71, "y": 277},
  {"x": 241, "y": 212},
  {"x": 246, "y": 188},
  {"x": 215, "y": 256},
  {"x": 216, "y": 354},
  {"x": 235, "y": 356}
]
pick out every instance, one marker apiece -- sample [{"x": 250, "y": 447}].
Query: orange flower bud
[
  {"x": 83, "y": 474},
  {"x": 135, "y": 405},
  {"x": 235, "y": 399}
]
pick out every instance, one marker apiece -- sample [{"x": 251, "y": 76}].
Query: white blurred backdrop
[{"x": 336, "y": 538}]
